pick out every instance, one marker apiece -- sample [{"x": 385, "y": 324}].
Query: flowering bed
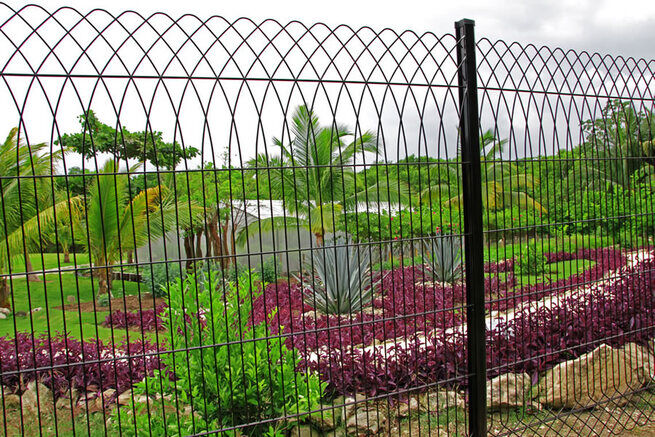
[
  {"x": 90, "y": 365},
  {"x": 413, "y": 334}
]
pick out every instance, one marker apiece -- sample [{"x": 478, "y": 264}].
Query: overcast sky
[{"x": 625, "y": 27}]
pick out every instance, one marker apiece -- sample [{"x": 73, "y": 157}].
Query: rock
[
  {"x": 599, "y": 375},
  {"x": 366, "y": 421},
  {"x": 109, "y": 394},
  {"x": 36, "y": 310},
  {"x": 20, "y": 314},
  {"x": 406, "y": 408},
  {"x": 64, "y": 403},
  {"x": 641, "y": 361},
  {"x": 71, "y": 299},
  {"x": 3, "y": 316},
  {"x": 441, "y": 400},
  {"x": 125, "y": 398},
  {"x": 327, "y": 419},
  {"x": 9, "y": 399},
  {"x": 352, "y": 404},
  {"x": 5, "y": 311},
  {"x": 508, "y": 391},
  {"x": 303, "y": 431},
  {"x": 142, "y": 399},
  {"x": 67, "y": 400},
  {"x": 37, "y": 397}
]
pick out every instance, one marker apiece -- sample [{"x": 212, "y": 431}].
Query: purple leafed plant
[
  {"x": 146, "y": 320},
  {"x": 607, "y": 259},
  {"x": 613, "y": 312},
  {"x": 62, "y": 363}
]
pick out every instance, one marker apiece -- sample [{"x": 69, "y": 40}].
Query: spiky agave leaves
[
  {"x": 343, "y": 281},
  {"x": 443, "y": 256}
]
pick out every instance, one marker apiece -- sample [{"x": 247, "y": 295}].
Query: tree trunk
[
  {"x": 67, "y": 255},
  {"x": 104, "y": 280},
  {"x": 233, "y": 243},
  {"x": 226, "y": 251},
  {"x": 215, "y": 239},
  {"x": 130, "y": 257},
  {"x": 188, "y": 249},
  {"x": 29, "y": 268},
  {"x": 209, "y": 247},
  {"x": 5, "y": 292},
  {"x": 319, "y": 238},
  {"x": 198, "y": 244}
]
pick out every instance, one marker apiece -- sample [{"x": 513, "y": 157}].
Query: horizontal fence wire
[{"x": 215, "y": 227}]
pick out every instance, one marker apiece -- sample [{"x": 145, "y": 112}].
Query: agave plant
[
  {"x": 443, "y": 255},
  {"x": 344, "y": 282}
]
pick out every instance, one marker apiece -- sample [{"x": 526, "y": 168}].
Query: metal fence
[{"x": 240, "y": 228}]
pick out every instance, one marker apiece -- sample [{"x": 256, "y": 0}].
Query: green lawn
[
  {"x": 53, "y": 293},
  {"x": 51, "y": 261},
  {"x": 565, "y": 243},
  {"x": 554, "y": 272}
]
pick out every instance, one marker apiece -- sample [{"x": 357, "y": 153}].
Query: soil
[{"x": 122, "y": 303}]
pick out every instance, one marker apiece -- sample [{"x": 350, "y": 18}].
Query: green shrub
[
  {"x": 270, "y": 269},
  {"x": 531, "y": 260},
  {"x": 227, "y": 370},
  {"x": 157, "y": 276}
]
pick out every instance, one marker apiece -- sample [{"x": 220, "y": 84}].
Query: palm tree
[
  {"x": 21, "y": 195},
  {"x": 503, "y": 183},
  {"x": 315, "y": 178},
  {"x": 108, "y": 223}
]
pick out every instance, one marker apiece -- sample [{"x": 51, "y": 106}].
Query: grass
[
  {"x": 49, "y": 261},
  {"x": 60, "y": 423},
  {"x": 53, "y": 293},
  {"x": 554, "y": 272},
  {"x": 565, "y": 243}
]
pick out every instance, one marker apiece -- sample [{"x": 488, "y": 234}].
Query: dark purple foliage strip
[
  {"x": 503, "y": 266},
  {"x": 615, "y": 313},
  {"x": 607, "y": 259},
  {"x": 146, "y": 320},
  {"x": 67, "y": 363},
  {"x": 406, "y": 303}
]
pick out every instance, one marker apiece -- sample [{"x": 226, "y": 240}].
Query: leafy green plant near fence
[{"x": 224, "y": 370}]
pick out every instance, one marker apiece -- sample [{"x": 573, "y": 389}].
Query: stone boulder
[
  {"x": 304, "y": 431},
  {"x": 441, "y": 400},
  {"x": 598, "y": 376},
  {"x": 366, "y": 421},
  {"x": 508, "y": 391},
  {"x": 641, "y": 361},
  {"x": 37, "y": 397}
]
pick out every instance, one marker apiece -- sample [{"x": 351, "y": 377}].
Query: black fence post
[{"x": 473, "y": 239}]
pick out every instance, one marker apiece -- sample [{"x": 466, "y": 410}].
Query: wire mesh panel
[
  {"x": 229, "y": 228},
  {"x": 240, "y": 228},
  {"x": 568, "y": 209}
]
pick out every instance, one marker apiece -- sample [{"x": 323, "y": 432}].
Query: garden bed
[{"x": 414, "y": 331}]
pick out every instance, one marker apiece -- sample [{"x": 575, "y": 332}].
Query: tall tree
[
  {"x": 503, "y": 183},
  {"x": 315, "y": 178},
  {"x": 97, "y": 137},
  {"x": 618, "y": 143},
  {"x": 21, "y": 197},
  {"x": 109, "y": 223}
]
